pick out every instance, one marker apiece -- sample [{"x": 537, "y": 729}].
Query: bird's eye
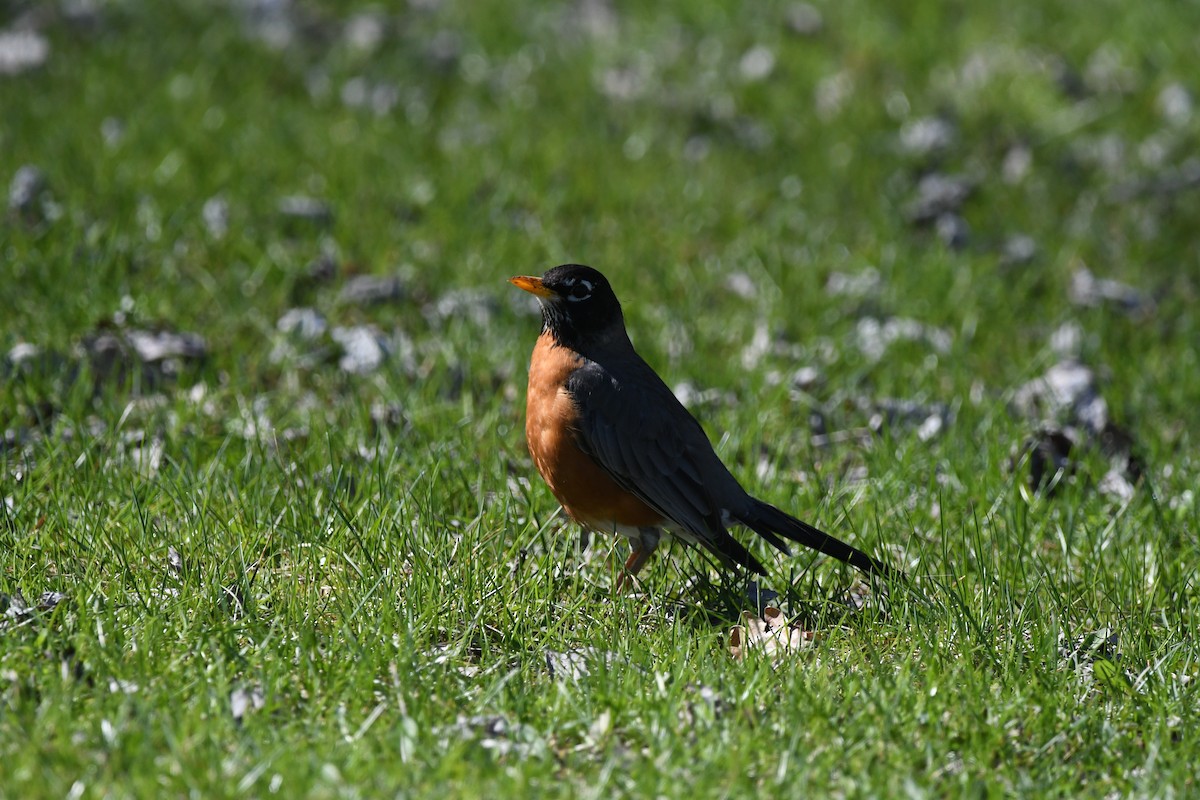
[{"x": 579, "y": 290}]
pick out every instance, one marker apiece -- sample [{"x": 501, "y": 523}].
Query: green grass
[{"x": 374, "y": 557}]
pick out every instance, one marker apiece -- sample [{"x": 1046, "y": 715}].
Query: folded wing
[{"x": 650, "y": 445}]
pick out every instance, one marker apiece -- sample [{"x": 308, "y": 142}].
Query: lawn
[{"x": 925, "y": 271}]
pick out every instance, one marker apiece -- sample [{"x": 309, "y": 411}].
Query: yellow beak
[{"x": 532, "y": 285}]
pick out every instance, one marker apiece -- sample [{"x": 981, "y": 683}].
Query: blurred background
[{"x": 864, "y": 213}]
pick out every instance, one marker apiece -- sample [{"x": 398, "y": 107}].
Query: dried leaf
[
  {"x": 771, "y": 634},
  {"x": 243, "y": 701}
]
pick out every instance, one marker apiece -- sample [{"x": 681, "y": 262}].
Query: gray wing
[{"x": 651, "y": 446}]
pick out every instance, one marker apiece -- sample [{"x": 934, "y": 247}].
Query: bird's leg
[
  {"x": 640, "y": 551},
  {"x": 643, "y": 548}
]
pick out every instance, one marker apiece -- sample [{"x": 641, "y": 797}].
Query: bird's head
[{"x": 578, "y": 305}]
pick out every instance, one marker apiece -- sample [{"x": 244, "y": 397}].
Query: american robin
[{"x": 621, "y": 453}]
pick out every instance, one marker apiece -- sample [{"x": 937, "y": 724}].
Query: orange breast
[{"x": 586, "y": 492}]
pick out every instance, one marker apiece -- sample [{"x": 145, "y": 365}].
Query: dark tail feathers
[{"x": 766, "y": 520}]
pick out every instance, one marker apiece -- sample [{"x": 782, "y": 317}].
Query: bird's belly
[{"x": 585, "y": 491}]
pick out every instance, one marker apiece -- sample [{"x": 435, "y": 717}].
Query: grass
[{"x": 282, "y": 578}]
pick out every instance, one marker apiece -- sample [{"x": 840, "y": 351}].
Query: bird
[{"x": 622, "y": 454}]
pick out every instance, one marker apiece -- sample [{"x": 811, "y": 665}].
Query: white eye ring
[{"x": 572, "y": 298}]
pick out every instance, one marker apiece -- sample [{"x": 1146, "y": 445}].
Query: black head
[{"x": 578, "y": 305}]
